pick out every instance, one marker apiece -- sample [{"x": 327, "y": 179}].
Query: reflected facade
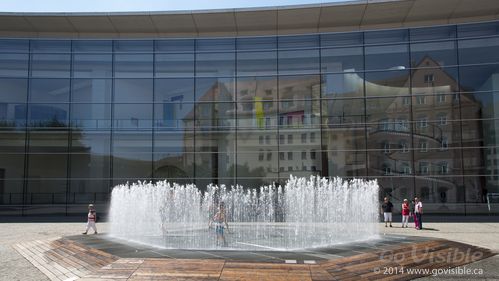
[{"x": 413, "y": 108}]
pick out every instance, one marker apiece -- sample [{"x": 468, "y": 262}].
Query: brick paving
[{"x": 66, "y": 259}]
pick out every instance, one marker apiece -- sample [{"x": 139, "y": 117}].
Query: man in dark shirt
[{"x": 387, "y": 208}]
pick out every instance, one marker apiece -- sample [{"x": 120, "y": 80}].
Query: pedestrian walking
[
  {"x": 387, "y": 208},
  {"x": 91, "y": 219},
  {"x": 405, "y": 213}
]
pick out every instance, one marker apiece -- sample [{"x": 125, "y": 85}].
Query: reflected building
[{"x": 414, "y": 108}]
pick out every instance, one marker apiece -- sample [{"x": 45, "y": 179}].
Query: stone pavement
[{"x": 16, "y": 267}]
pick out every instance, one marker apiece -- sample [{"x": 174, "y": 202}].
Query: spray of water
[{"x": 304, "y": 213}]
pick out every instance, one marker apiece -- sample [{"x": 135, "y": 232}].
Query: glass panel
[
  {"x": 342, "y": 138},
  {"x": 389, "y": 163},
  {"x": 50, "y": 65},
  {"x": 346, "y": 163},
  {"x": 174, "y": 90},
  {"x": 433, "y": 33},
  {"x": 215, "y": 64},
  {"x": 435, "y": 135},
  {"x": 133, "y": 65},
  {"x": 397, "y": 188},
  {"x": 257, "y": 114},
  {"x": 478, "y": 29},
  {"x": 11, "y": 164},
  {"x": 302, "y": 41},
  {"x": 174, "y": 166},
  {"x": 13, "y": 90},
  {"x": 90, "y": 116},
  {"x": 49, "y": 90},
  {"x": 391, "y": 57},
  {"x": 299, "y": 62},
  {"x": 133, "y": 90},
  {"x": 434, "y": 81},
  {"x": 299, "y": 87},
  {"x": 386, "y": 36},
  {"x": 91, "y": 90},
  {"x": 51, "y": 46},
  {"x": 214, "y": 116},
  {"x": 257, "y": 43},
  {"x": 479, "y": 106},
  {"x": 176, "y": 45},
  {"x": 14, "y": 45},
  {"x": 46, "y": 116},
  {"x": 92, "y": 65},
  {"x": 342, "y": 59},
  {"x": 347, "y": 85},
  {"x": 174, "y": 65},
  {"x": 82, "y": 191},
  {"x": 390, "y": 83},
  {"x": 215, "y": 44},
  {"x": 133, "y": 46},
  {"x": 48, "y": 147},
  {"x": 257, "y": 89},
  {"x": 434, "y": 54},
  {"x": 436, "y": 162},
  {"x": 173, "y": 116},
  {"x": 14, "y": 65},
  {"x": 12, "y": 116},
  {"x": 389, "y": 114},
  {"x": 215, "y": 89},
  {"x": 132, "y": 153},
  {"x": 487, "y": 128},
  {"x": 92, "y": 46},
  {"x": 336, "y": 113},
  {"x": 479, "y": 78},
  {"x": 291, "y": 161},
  {"x": 133, "y": 116},
  {"x": 479, "y": 51},
  {"x": 440, "y": 108},
  {"x": 46, "y": 193},
  {"x": 253, "y": 167},
  {"x": 475, "y": 161},
  {"x": 342, "y": 39},
  {"x": 90, "y": 154},
  {"x": 257, "y": 63}
]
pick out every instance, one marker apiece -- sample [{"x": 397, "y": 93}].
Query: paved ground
[{"x": 15, "y": 267}]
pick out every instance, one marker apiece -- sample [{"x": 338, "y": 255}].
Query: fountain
[{"x": 304, "y": 213}]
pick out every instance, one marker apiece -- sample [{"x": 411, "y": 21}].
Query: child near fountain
[
  {"x": 91, "y": 218},
  {"x": 220, "y": 220}
]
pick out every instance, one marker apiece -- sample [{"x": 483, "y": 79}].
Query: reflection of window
[
  {"x": 281, "y": 139},
  {"x": 290, "y": 168},
  {"x": 384, "y": 125},
  {"x": 406, "y": 101},
  {"x": 386, "y": 147},
  {"x": 403, "y": 146},
  {"x": 423, "y": 122},
  {"x": 303, "y": 138},
  {"x": 442, "y": 119},
  {"x": 423, "y": 168},
  {"x": 402, "y": 125},
  {"x": 312, "y": 137},
  {"x": 261, "y": 155},
  {"x": 290, "y": 139},
  {"x": 406, "y": 169},
  {"x": 281, "y": 155},
  {"x": 267, "y": 139},
  {"x": 425, "y": 193},
  {"x": 387, "y": 170},
  {"x": 269, "y": 156},
  {"x": 423, "y": 146},
  {"x": 260, "y": 139},
  {"x": 440, "y": 98},
  {"x": 303, "y": 155},
  {"x": 444, "y": 144},
  {"x": 290, "y": 155},
  {"x": 268, "y": 92},
  {"x": 313, "y": 168},
  {"x": 312, "y": 154},
  {"x": 429, "y": 78},
  {"x": 421, "y": 99},
  {"x": 444, "y": 168}
]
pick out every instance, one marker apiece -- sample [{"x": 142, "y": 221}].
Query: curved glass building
[{"x": 91, "y": 101}]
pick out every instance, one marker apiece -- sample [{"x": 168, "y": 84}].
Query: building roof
[{"x": 296, "y": 19}]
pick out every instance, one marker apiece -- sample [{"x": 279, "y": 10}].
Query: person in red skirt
[{"x": 405, "y": 213}]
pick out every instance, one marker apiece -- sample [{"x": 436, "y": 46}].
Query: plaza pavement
[{"x": 15, "y": 267}]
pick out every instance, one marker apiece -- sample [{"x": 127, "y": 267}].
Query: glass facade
[{"x": 413, "y": 108}]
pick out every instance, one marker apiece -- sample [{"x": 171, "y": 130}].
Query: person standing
[
  {"x": 413, "y": 214},
  {"x": 418, "y": 210},
  {"x": 405, "y": 213},
  {"x": 387, "y": 208},
  {"x": 91, "y": 219}
]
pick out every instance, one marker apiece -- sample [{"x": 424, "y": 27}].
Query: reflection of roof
[{"x": 324, "y": 17}]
